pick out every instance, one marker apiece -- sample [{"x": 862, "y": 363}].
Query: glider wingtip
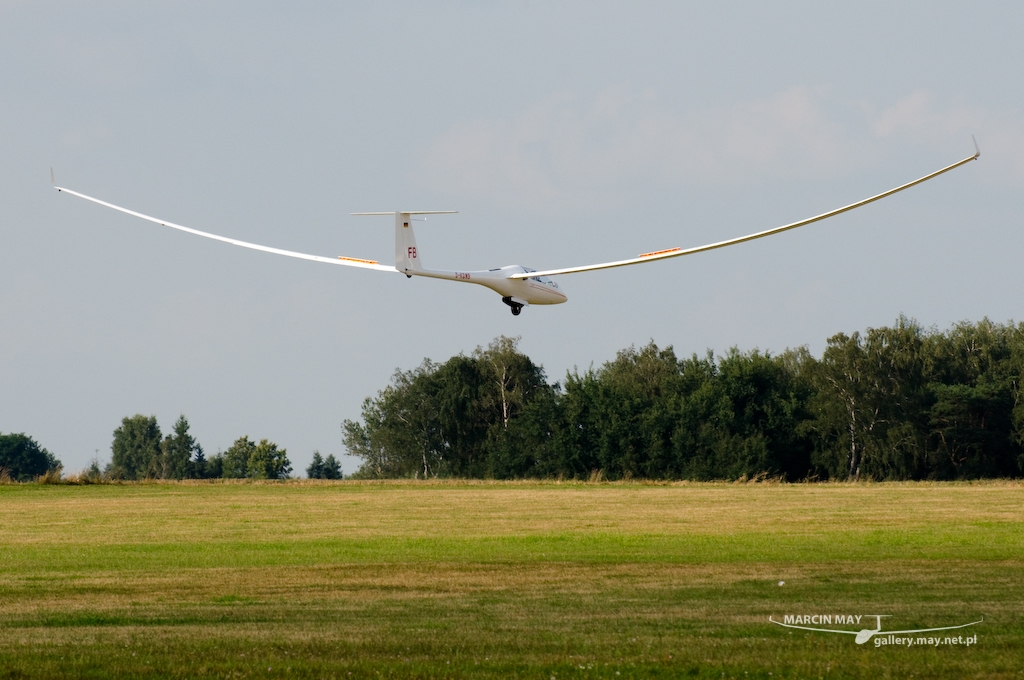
[{"x": 977, "y": 151}]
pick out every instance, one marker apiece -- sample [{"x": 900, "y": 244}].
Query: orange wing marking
[
  {"x": 659, "y": 252},
  {"x": 356, "y": 259}
]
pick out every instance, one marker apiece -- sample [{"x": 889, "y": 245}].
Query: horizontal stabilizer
[{"x": 410, "y": 212}]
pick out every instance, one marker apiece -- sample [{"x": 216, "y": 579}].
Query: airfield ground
[{"x": 544, "y": 580}]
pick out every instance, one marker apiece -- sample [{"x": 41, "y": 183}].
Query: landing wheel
[{"x": 516, "y": 307}]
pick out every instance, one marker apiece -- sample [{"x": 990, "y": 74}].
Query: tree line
[
  {"x": 892, "y": 403},
  {"x": 140, "y": 451},
  {"x": 899, "y": 402}
]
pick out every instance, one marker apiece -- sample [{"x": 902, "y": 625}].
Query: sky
[{"x": 564, "y": 133}]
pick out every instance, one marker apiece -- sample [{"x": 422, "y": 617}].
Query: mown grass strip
[{"x": 502, "y": 580}]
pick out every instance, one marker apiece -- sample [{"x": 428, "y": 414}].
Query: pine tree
[
  {"x": 176, "y": 452},
  {"x": 331, "y": 468},
  {"x": 316, "y": 468},
  {"x": 199, "y": 464}
]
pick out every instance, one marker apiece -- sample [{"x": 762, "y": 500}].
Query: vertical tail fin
[{"x": 407, "y": 257}]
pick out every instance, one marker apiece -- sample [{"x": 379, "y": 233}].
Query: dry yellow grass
[{"x": 313, "y": 510}]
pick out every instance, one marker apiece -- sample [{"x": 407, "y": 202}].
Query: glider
[{"x": 518, "y": 286}]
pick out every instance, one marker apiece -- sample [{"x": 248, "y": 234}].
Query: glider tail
[{"x": 407, "y": 257}]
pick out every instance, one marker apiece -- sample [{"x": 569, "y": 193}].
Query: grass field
[{"x": 545, "y": 580}]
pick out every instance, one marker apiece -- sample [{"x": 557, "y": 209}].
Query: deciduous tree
[
  {"x": 22, "y": 459},
  {"x": 247, "y": 459},
  {"x": 136, "y": 449}
]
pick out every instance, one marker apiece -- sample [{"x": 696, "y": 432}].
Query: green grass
[{"x": 540, "y": 580}]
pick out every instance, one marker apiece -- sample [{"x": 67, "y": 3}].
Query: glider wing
[
  {"x": 344, "y": 261},
  {"x": 679, "y": 252}
]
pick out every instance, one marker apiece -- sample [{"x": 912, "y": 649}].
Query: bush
[
  {"x": 22, "y": 459},
  {"x": 249, "y": 460}
]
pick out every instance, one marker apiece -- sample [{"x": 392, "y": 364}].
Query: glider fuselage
[
  {"x": 513, "y": 283},
  {"x": 536, "y": 290}
]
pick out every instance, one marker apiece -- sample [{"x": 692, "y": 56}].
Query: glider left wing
[{"x": 344, "y": 261}]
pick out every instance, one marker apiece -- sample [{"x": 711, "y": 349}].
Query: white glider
[{"x": 519, "y": 286}]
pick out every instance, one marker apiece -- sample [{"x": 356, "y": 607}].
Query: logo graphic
[{"x": 865, "y": 634}]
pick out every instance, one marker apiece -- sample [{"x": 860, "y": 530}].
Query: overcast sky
[{"x": 563, "y": 133}]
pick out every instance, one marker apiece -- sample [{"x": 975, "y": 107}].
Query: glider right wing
[{"x": 679, "y": 252}]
